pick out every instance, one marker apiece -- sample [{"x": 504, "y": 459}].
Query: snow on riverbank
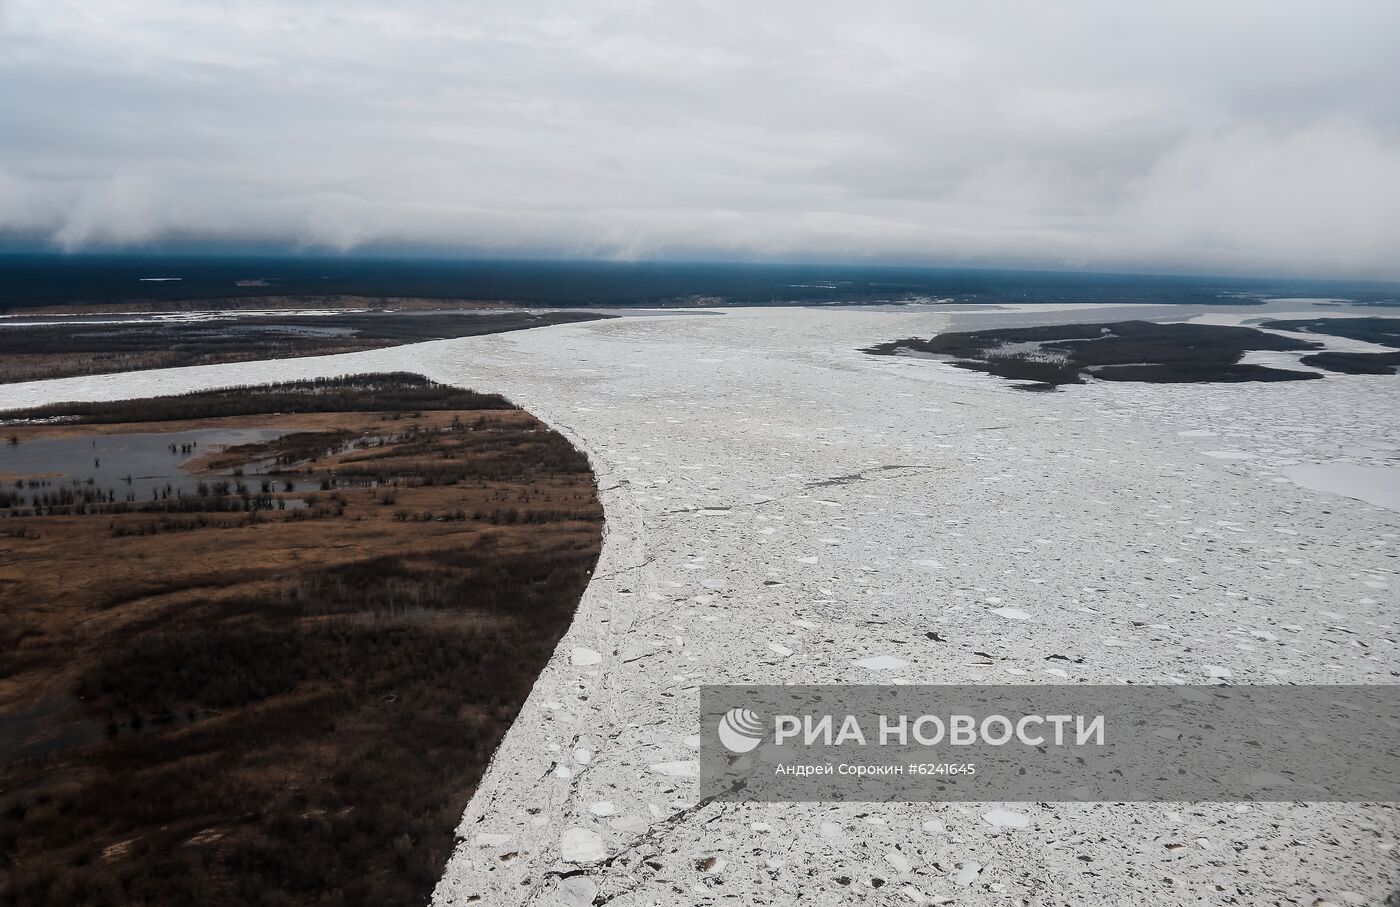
[{"x": 782, "y": 508}]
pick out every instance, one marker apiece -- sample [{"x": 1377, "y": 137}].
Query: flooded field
[{"x": 129, "y": 468}]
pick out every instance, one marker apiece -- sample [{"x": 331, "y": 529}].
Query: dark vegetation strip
[
  {"x": 293, "y": 707},
  {"x": 1383, "y": 331},
  {"x": 34, "y": 352},
  {"x": 390, "y": 392},
  {"x": 1055, "y": 355},
  {"x": 1356, "y": 363}
]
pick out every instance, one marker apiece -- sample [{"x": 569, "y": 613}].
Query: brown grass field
[{"x": 235, "y": 704}]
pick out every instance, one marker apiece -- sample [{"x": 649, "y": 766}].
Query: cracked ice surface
[{"x": 781, "y": 508}]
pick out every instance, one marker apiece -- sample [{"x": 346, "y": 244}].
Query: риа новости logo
[{"x": 740, "y": 730}]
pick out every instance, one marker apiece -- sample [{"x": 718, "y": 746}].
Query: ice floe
[
  {"x": 1006, "y": 818},
  {"x": 581, "y": 845},
  {"x": 882, "y": 663},
  {"x": 582, "y": 657}
]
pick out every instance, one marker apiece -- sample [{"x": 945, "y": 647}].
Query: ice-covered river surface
[{"x": 1099, "y": 523}]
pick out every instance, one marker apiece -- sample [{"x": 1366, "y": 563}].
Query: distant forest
[{"x": 28, "y": 280}]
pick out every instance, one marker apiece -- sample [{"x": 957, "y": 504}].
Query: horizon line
[{"x": 556, "y": 258}]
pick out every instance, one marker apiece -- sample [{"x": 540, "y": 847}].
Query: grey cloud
[{"x": 1191, "y": 135}]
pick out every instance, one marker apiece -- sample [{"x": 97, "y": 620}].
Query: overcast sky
[{"x": 1203, "y": 136}]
